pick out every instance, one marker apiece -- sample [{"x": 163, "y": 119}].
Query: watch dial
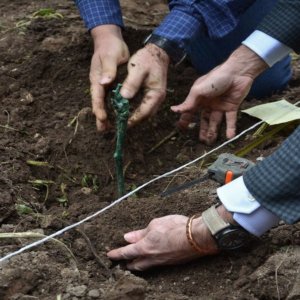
[{"x": 230, "y": 239}]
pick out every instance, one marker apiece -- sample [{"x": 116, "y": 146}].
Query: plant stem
[{"x": 121, "y": 106}]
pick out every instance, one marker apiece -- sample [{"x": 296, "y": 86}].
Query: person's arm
[
  {"x": 277, "y": 34},
  {"x": 104, "y": 20},
  {"x": 148, "y": 67},
  {"x": 282, "y": 23}
]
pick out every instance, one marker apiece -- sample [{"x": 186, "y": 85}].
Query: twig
[
  {"x": 92, "y": 248},
  {"x": 13, "y": 129},
  {"x": 165, "y": 139}
]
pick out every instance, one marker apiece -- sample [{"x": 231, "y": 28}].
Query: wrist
[
  {"x": 175, "y": 54},
  {"x": 158, "y": 52},
  {"x": 203, "y": 236},
  {"x": 245, "y": 62},
  {"x": 102, "y": 32}
]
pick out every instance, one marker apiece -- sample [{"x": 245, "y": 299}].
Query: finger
[
  {"x": 98, "y": 94},
  {"x": 190, "y": 104},
  {"x": 141, "y": 264},
  {"x": 204, "y": 121},
  {"x": 128, "y": 252},
  {"x": 109, "y": 70},
  {"x": 149, "y": 106},
  {"x": 215, "y": 121},
  {"x": 185, "y": 120},
  {"x": 133, "y": 81},
  {"x": 231, "y": 118},
  {"x": 135, "y": 236}
]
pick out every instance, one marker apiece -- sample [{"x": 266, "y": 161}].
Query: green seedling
[
  {"x": 23, "y": 209},
  {"x": 47, "y": 13},
  {"x": 39, "y": 183},
  {"x": 90, "y": 181},
  {"x": 121, "y": 106},
  {"x": 64, "y": 198}
]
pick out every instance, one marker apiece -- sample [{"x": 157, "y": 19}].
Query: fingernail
[
  {"x": 128, "y": 236},
  {"x": 125, "y": 93},
  {"x": 105, "y": 79}
]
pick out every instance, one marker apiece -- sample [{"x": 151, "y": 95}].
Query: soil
[{"x": 45, "y": 116}]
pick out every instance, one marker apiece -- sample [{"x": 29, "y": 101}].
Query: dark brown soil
[{"x": 45, "y": 116}]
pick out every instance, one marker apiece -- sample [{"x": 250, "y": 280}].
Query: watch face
[{"x": 232, "y": 238}]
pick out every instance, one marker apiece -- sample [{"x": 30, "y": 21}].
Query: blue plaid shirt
[{"x": 187, "y": 18}]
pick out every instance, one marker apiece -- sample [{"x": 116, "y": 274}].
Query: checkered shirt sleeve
[
  {"x": 283, "y": 23},
  {"x": 214, "y": 18},
  {"x": 100, "y": 12},
  {"x": 275, "y": 182}
]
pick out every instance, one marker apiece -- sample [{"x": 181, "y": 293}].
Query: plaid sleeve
[
  {"x": 275, "y": 181},
  {"x": 100, "y": 12},
  {"x": 187, "y": 18},
  {"x": 283, "y": 24}
]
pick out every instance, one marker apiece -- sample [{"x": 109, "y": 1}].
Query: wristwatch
[
  {"x": 175, "y": 53},
  {"x": 226, "y": 235}
]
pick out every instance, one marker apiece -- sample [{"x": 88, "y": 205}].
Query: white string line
[{"x": 47, "y": 238}]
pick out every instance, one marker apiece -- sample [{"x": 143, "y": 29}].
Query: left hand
[
  {"x": 163, "y": 242},
  {"x": 147, "y": 68}
]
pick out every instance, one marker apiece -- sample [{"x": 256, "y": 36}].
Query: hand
[
  {"x": 110, "y": 51},
  {"x": 164, "y": 242},
  {"x": 221, "y": 92},
  {"x": 147, "y": 68}
]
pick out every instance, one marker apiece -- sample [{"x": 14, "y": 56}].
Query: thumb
[
  {"x": 189, "y": 105},
  {"x": 109, "y": 70}
]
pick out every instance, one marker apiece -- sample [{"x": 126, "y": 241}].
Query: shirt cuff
[
  {"x": 266, "y": 47},
  {"x": 246, "y": 210}
]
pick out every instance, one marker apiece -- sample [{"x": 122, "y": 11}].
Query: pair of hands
[
  {"x": 217, "y": 94},
  {"x": 147, "y": 68}
]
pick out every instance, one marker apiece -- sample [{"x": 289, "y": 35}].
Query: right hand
[
  {"x": 221, "y": 92},
  {"x": 110, "y": 51},
  {"x": 147, "y": 69}
]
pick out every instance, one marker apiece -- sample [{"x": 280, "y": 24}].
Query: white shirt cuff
[
  {"x": 266, "y": 47},
  {"x": 246, "y": 210}
]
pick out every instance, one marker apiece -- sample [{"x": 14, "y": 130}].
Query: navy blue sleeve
[{"x": 214, "y": 18}]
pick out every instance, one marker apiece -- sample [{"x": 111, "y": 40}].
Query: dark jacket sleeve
[
  {"x": 283, "y": 23},
  {"x": 275, "y": 182}
]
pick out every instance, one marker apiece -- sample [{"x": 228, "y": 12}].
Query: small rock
[
  {"x": 54, "y": 44},
  {"x": 187, "y": 278},
  {"x": 86, "y": 190},
  {"x": 78, "y": 291},
  {"x": 14, "y": 87},
  {"x": 60, "y": 115},
  {"x": 26, "y": 98},
  {"x": 94, "y": 293}
]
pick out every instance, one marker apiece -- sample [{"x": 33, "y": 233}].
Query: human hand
[
  {"x": 110, "y": 51},
  {"x": 148, "y": 69},
  {"x": 221, "y": 92},
  {"x": 164, "y": 242}
]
